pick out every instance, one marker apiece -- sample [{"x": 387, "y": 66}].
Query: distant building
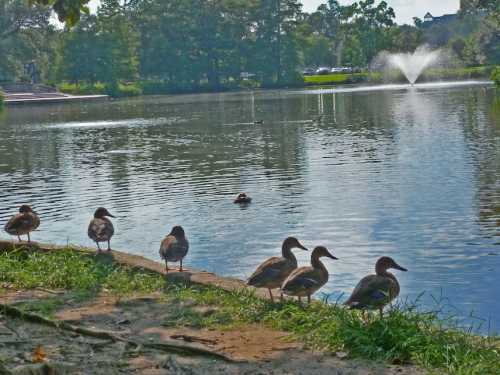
[{"x": 430, "y": 20}]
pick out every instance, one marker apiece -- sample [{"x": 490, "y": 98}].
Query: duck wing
[
  {"x": 303, "y": 280},
  {"x": 173, "y": 249},
  {"x": 371, "y": 292},
  {"x": 271, "y": 273},
  {"x": 100, "y": 230},
  {"x": 22, "y": 223}
]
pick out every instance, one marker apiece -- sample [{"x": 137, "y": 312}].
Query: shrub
[
  {"x": 495, "y": 76},
  {"x": 1, "y": 100}
]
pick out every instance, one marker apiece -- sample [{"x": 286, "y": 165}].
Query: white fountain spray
[{"x": 413, "y": 64}]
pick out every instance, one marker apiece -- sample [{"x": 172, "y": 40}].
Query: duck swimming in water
[
  {"x": 101, "y": 228},
  {"x": 174, "y": 247},
  {"x": 275, "y": 270},
  {"x": 242, "y": 198},
  {"x": 376, "y": 291},
  {"x": 23, "y": 223},
  {"x": 305, "y": 281}
]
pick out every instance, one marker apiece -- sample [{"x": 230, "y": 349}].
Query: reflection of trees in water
[{"x": 482, "y": 128}]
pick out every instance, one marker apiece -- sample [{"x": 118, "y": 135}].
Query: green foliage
[
  {"x": 1, "y": 101},
  {"x": 73, "y": 271},
  {"x": 68, "y": 11},
  {"x": 113, "y": 89},
  {"x": 495, "y": 76}
]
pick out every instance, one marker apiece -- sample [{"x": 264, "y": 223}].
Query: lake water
[{"x": 413, "y": 173}]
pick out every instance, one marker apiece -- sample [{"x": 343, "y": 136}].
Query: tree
[
  {"x": 100, "y": 49},
  {"x": 25, "y": 33},
  {"x": 68, "y": 11}
]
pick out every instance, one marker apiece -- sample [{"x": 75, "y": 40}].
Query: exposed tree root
[{"x": 172, "y": 347}]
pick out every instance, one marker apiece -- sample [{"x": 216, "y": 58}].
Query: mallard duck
[
  {"x": 174, "y": 247},
  {"x": 23, "y": 222},
  {"x": 376, "y": 291},
  {"x": 101, "y": 228},
  {"x": 305, "y": 281},
  {"x": 242, "y": 198},
  {"x": 275, "y": 270}
]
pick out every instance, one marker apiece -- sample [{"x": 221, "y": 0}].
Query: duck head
[
  {"x": 102, "y": 212},
  {"x": 177, "y": 231},
  {"x": 24, "y": 209},
  {"x": 321, "y": 251},
  {"x": 385, "y": 263},
  {"x": 242, "y": 198},
  {"x": 292, "y": 242}
]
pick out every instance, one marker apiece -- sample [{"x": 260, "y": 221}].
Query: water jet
[{"x": 413, "y": 64}]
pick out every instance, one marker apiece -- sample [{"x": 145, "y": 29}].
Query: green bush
[
  {"x": 120, "y": 90},
  {"x": 115, "y": 90},
  {"x": 82, "y": 89},
  {"x": 495, "y": 76},
  {"x": 1, "y": 100}
]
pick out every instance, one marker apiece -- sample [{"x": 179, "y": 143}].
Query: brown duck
[
  {"x": 242, "y": 198},
  {"x": 23, "y": 223},
  {"x": 174, "y": 247},
  {"x": 275, "y": 270},
  {"x": 101, "y": 228},
  {"x": 305, "y": 281},
  {"x": 376, "y": 291}
]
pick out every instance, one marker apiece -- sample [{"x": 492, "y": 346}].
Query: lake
[{"x": 413, "y": 173}]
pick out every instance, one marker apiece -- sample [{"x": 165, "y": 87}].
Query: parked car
[
  {"x": 308, "y": 72},
  {"x": 336, "y": 70},
  {"x": 323, "y": 70},
  {"x": 347, "y": 69}
]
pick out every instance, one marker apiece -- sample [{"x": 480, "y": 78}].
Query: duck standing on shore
[
  {"x": 305, "y": 281},
  {"x": 23, "y": 222},
  {"x": 101, "y": 228},
  {"x": 376, "y": 291},
  {"x": 275, "y": 270},
  {"x": 174, "y": 247}
]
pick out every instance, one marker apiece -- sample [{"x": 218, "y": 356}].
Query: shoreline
[
  {"x": 69, "y": 300},
  {"x": 197, "y": 277}
]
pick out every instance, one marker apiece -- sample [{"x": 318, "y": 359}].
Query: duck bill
[
  {"x": 332, "y": 257},
  {"x": 109, "y": 215},
  {"x": 300, "y": 246},
  {"x": 398, "y": 267}
]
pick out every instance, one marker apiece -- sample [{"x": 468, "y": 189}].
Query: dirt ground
[{"x": 253, "y": 349}]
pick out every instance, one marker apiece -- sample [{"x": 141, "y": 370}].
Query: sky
[{"x": 405, "y": 9}]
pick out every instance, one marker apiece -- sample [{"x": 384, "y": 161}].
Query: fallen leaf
[{"x": 39, "y": 355}]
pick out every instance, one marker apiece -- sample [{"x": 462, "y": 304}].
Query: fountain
[{"x": 413, "y": 64}]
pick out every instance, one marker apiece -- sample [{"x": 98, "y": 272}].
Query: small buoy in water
[{"x": 242, "y": 198}]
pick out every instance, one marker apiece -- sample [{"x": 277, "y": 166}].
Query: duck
[
  {"x": 305, "y": 281},
  {"x": 258, "y": 122},
  {"x": 23, "y": 223},
  {"x": 376, "y": 291},
  {"x": 275, "y": 270},
  {"x": 242, "y": 198},
  {"x": 174, "y": 247},
  {"x": 101, "y": 229}
]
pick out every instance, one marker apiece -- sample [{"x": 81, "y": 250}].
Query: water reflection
[{"x": 408, "y": 173}]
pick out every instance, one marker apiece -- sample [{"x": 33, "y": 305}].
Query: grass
[
  {"x": 73, "y": 271},
  {"x": 340, "y": 78},
  {"x": 405, "y": 335}
]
